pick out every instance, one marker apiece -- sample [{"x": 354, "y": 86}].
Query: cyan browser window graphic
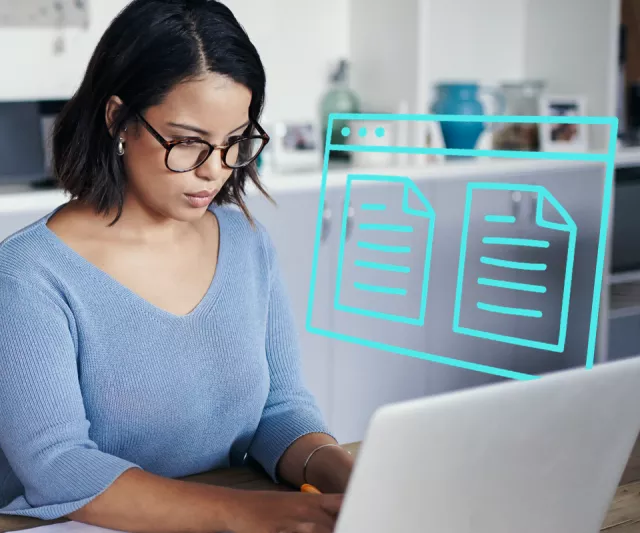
[{"x": 497, "y": 269}]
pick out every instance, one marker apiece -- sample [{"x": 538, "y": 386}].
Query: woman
[{"x": 144, "y": 331}]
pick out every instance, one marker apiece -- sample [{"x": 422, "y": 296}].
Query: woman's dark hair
[{"x": 150, "y": 47}]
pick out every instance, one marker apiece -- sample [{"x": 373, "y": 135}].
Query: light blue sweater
[{"x": 95, "y": 380}]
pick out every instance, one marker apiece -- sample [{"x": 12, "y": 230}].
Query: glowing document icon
[
  {"x": 385, "y": 255},
  {"x": 514, "y": 275}
]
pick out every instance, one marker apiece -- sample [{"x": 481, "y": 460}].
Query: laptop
[{"x": 536, "y": 456}]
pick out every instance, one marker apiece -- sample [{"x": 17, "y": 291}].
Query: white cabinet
[
  {"x": 349, "y": 379},
  {"x": 21, "y": 208},
  {"x": 449, "y": 199},
  {"x": 580, "y": 192},
  {"x": 525, "y": 246},
  {"x": 521, "y": 293},
  {"x": 366, "y": 377},
  {"x": 361, "y": 364},
  {"x": 12, "y": 222}
]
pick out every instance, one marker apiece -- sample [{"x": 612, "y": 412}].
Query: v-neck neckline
[{"x": 209, "y": 297}]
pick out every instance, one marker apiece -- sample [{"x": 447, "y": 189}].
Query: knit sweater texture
[{"x": 95, "y": 380}]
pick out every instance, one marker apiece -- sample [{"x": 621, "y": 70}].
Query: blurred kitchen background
[{"x": 515, "y": 57}]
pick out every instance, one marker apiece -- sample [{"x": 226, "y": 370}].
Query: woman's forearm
[
  {"x": 328, "y": 469},
  {"x": 140, "y": 502}
]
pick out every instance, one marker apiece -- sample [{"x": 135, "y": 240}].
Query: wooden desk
[{"x": 623, "y": 516}]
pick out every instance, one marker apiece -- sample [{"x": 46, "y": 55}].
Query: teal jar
[{"x": 462, "y": 99}]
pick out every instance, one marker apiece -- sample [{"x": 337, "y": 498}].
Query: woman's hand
[{"x": 284, "y": 512}]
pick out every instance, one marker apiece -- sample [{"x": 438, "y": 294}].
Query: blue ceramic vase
[{"x": 459, "y": 99}]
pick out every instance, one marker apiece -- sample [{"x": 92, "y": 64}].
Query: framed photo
[
  {"x": 563, "y": 137},
  {"x": 296, "y": 146}
]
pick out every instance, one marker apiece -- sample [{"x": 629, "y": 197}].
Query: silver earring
[{"x": 120, "y": 146}]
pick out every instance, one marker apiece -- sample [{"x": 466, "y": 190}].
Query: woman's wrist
[
  {"x": 317, "y": 459},
  {"x": 234, "y": 506},
  {"x": 329, "y": 469}
]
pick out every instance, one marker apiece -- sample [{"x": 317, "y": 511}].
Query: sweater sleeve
[
  {"x": 291, "y": 410},
  {"x": 44, "y": 430}
]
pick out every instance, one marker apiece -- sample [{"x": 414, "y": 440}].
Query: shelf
[
  {"x": 624, "y": 300},
  {"x": 628, "y": 157},
  {"x": 624, "y": 277}
]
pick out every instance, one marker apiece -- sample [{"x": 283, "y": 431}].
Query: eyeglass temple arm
[
  {"x": 260, "y": 130},
  {"x": 153, "y": 132}
]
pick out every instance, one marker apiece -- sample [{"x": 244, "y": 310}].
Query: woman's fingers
[{"x": 332, "y": 503}]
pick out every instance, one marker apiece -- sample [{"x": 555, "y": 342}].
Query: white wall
[
  {"x": 574, "y": 44},
  {"x": 401, "y": 48},
  {"x": 471, "y": 40},
  {"x": 383, "y": 46},
  {"x": 29, "y": 69},
  {"x": 298, "y": 40}
]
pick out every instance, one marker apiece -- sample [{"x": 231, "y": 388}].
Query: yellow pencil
[{"x": 310, "y": 489}]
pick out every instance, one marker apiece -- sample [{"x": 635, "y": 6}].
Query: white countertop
[
  {"x": 465, "y": 169},
  {"x": 15, "y": 199},
  {"x": 627, "y": 156}
]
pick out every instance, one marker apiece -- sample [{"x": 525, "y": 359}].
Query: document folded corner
[
  {"x": 420, "y": 206},
  {"x": 567, "y": 224}
]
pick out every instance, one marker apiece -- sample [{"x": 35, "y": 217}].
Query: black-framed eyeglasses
[{"x": 188, "y": 153}]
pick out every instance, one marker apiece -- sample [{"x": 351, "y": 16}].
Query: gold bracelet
[{"x": 304, "y": 468}]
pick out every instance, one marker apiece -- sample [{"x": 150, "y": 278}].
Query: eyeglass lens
[{"x": 190, "y": 154}]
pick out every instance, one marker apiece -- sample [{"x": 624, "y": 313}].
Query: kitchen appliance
[
  {"x": 621, "y": 81},
  {"x": 625, "y": 248},
  {"x": 48, "y": 112},
  {"x": 632, "y": 132},
  {"x": 25, "y": 148},
  {"x": 21, "y": 152}
]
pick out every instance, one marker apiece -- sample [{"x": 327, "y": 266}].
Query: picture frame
[
  {"x": 296, "y": 146},
  {"x": 563, "y": 137}
]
